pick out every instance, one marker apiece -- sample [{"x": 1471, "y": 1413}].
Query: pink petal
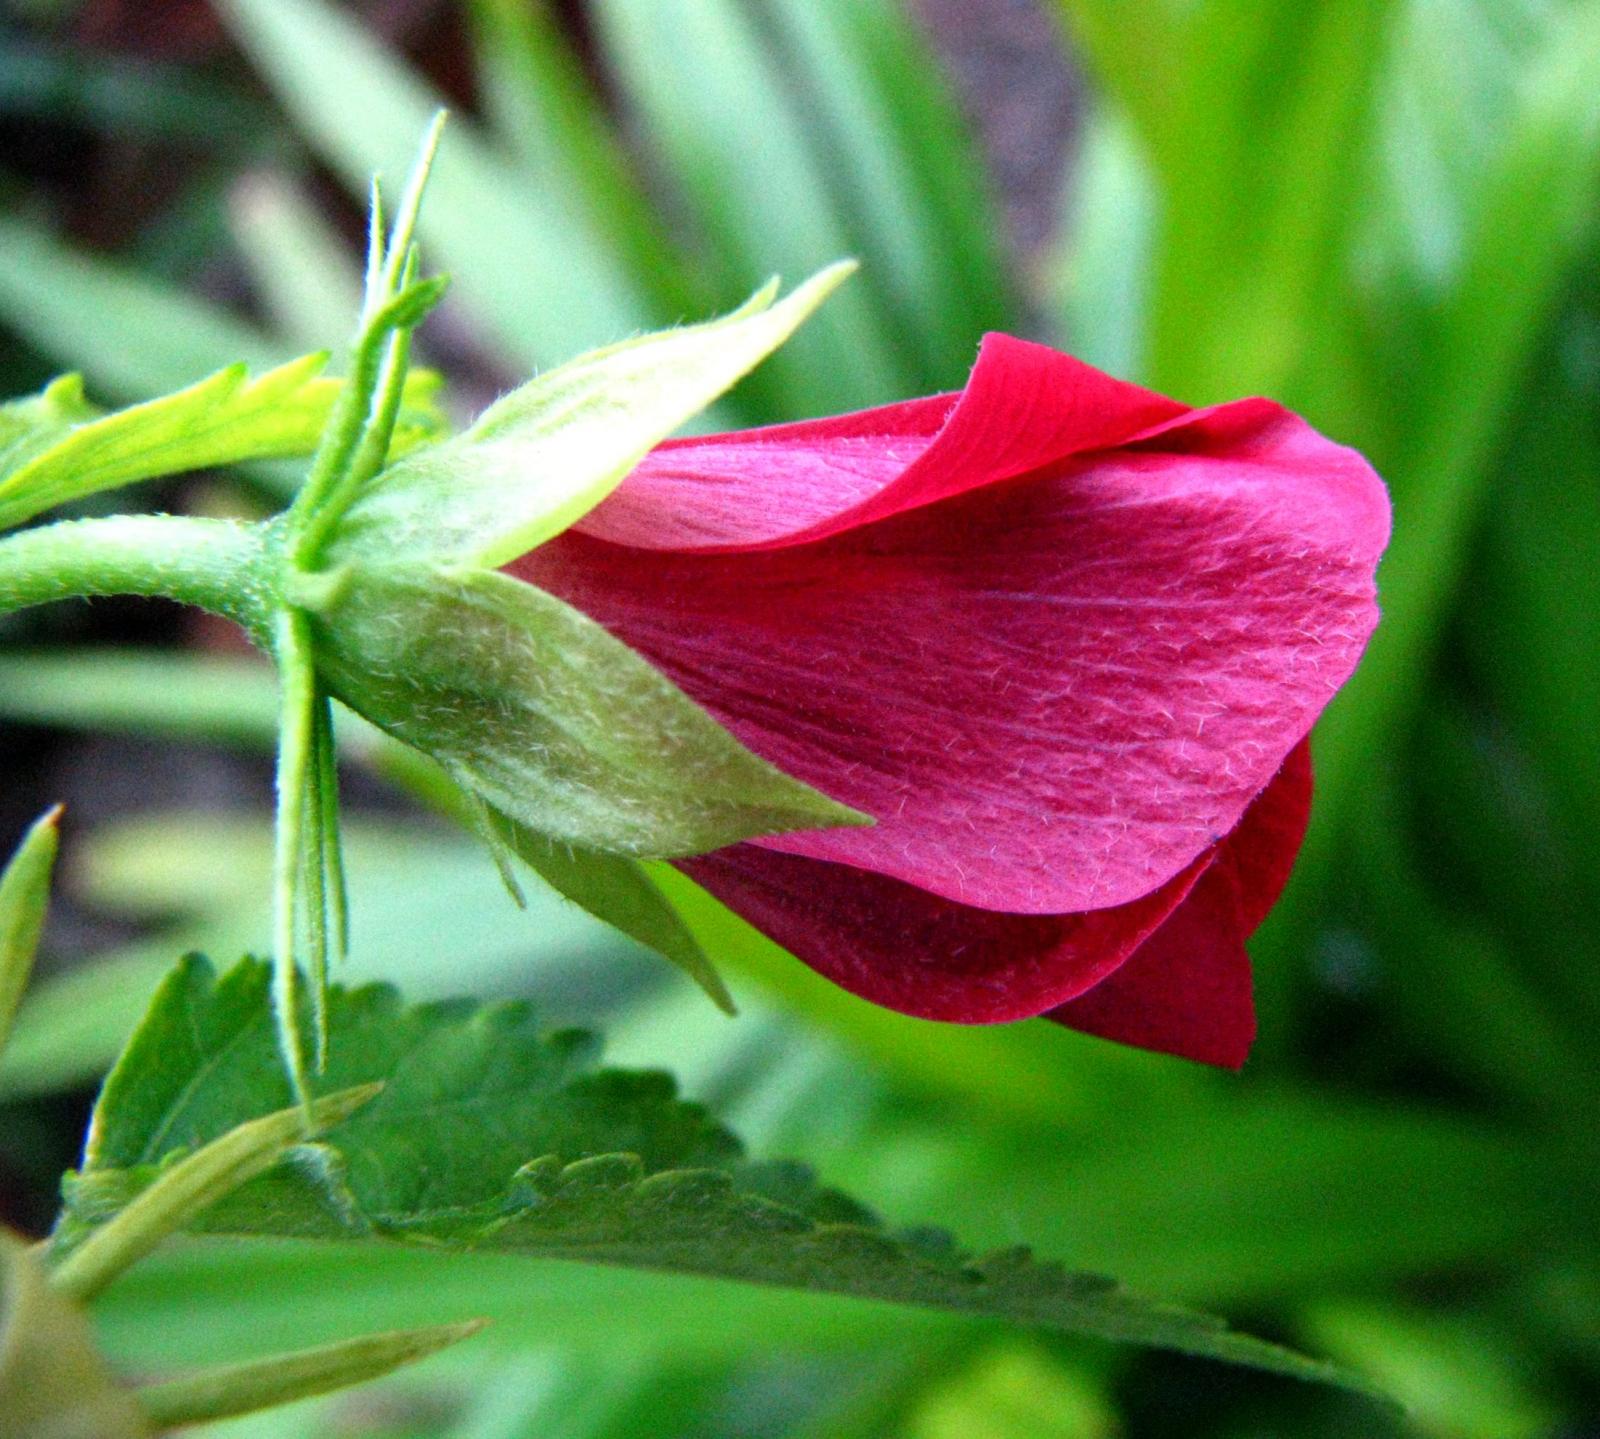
[
  {"x": 1024, "y": 407},
  {"x": 1186, "y": 989},
  {"x": 1054, "y": 693},
  {"x": 914, "y": 952}
]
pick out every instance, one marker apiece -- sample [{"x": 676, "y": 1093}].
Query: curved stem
[{"x": 218, "y": 565}]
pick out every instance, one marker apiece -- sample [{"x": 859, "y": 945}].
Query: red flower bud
[{"x": 1062, "y": 637}]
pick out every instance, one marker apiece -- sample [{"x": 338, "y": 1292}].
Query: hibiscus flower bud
[{"x": 1060, "y": 637}]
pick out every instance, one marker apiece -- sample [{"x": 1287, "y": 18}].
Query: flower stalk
[{"x": 217, "y": 565}]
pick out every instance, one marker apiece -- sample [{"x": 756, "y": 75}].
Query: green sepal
[
  {"x": 31, "y": 425},
  {"x": 56, "y": 447},
  {"x": 616, "y": 889},
  {"x": 548, "y": 717},
  {"x": 545, "y": 455}
]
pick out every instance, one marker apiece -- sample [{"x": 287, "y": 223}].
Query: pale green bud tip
[
  {"x": 286, "y": 1378},
  {"x": 193, "y": 1185}
]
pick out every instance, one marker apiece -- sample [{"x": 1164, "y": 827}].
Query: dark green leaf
[{"x": 559, "y": 1159}]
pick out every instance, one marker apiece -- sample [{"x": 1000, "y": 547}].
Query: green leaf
[
  {"x": 561, "y": 1159},
  {"x": 617, "y": 890},
  {"x": 225, "y": 418},
  {"x": 548, "y": 453},
  {"x": 24, "y": 901},
  {"x": 548, "y": 717},
  {"x": 53, "y": 1383},
  {"x": 130, "y": 334},
  {"x": 34, "y": 423}
]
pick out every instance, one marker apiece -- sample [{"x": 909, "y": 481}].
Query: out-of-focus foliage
[{"x": 1380, "y": 213}]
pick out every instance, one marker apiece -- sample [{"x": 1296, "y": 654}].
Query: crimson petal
[
  {"x": 1054, "y": 687},
  {"x": 1186, "y": 989},
  {"x": 920, "y": 954},
  {"x": 1024, "y": 407}
]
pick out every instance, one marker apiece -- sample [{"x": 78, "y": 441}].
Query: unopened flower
[{"x": 1061, "y": 637}]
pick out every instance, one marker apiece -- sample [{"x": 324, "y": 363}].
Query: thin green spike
[
  {"x": 483, "y": 820},
  {"x": 298, "y": 685},
  {"x": 405, "y": 217},
  {"x": 284, "y": 1378},
  {"x": 314, "y": 879},
  {"x": 333, "y": 840},
  {"x": 193, "y": 1185},
  {"x": 376, "y": 257}
]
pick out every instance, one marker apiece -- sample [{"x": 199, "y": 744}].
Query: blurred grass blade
[
  {"x": 1538, "y": 205},
  {"x": 1140, "y": 55},
  {"x": 305, "y": 277},
  {"x": 1102, "y": 271},
  {"x": 132, "y": 98},
  {"x": 200, "y": 879},
  {"x": 132, "y": 336},
  {"x": 527, "y": 262},
  {"x": 721, "y": 110},
  {"x": 1257, "y": 176},
  {"x": 551, "y": 119},
  {"x": 156, "y": 693},
  {"x": 905, "y": 174}
]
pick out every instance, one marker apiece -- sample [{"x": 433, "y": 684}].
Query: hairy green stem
[{"x": 218, "y": 565}]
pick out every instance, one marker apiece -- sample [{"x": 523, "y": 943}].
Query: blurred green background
[{"x": 1382, "y": 214}]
